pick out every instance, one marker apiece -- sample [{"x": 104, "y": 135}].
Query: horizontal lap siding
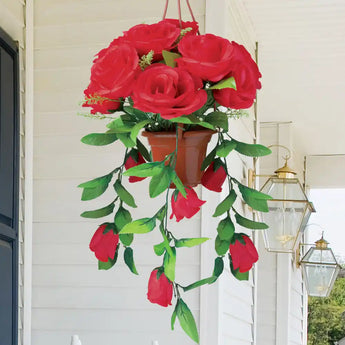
[
  {"x": 12, "y": 21},
  {"x": 70, "y": 296}
]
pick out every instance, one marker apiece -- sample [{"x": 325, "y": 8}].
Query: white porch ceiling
[{"x": 302, "y": 59}]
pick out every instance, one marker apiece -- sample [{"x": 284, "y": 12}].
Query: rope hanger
[{"x": 179, "y": 11}]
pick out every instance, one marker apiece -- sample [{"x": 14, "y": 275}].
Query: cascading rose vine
[{"x": 164, "y": 77}]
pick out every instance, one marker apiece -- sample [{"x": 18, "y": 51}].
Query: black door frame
[{"x": 11, "y": 47}]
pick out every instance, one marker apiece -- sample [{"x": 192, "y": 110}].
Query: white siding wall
[
  {"x": 227, "y": 310},
  {"x": 69, "y": 295},
  {"x": 12, "y": 20},
  {"x": 281, "y": 310}
]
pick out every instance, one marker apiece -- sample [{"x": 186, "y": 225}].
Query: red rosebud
[
  {"x": 132, "y": 162},
  {"x": 185, "y": 207},
  {"x": 206, "y": 56},
  {"x": 157, "y": 37},
  {"x": 214, "y": 179},
  {"x": 104, "y": 245},
  {"x": 243, "y": 256},
  {"x": 159, "y": 290},
  {"x": 193, "y": 25},
  {"x": 246, "y": 74},
  {"x": 170, "y": 92}
]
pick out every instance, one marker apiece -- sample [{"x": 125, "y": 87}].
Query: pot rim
[{"x": 173, "y": 133}]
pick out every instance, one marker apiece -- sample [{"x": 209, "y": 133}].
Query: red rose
[
  {"x": 132, "y": 161},
  {"x": 104, "y": 245},
  {"x": 214, "y": 177},
  {"x": 193, "y": 25},
  {"x": 104, "y": 106},
  {"x": 206, "y": 56},
  {"x": 160, "y": 290},
  {"x": 185, "y": 207},
  {"x": 156, "y": 37},
  {"x": 243, "y": 256},
  {"x": 113, "y": 73},
  {"x": 170, "y": 92},
  {"x": 246, "y": 74}
]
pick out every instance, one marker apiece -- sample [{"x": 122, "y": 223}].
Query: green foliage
[
  {"x": 99, "y": 139},
  {"x": 326, "y": 323}
]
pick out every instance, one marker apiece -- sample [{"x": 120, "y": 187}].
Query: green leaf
[
  {"x": 190, "y": 242},
  {"x": 136, "y": 129},
  {"x": 129, "y": 261},
  {"x": 178, "y": 183},
  {"x": 173, "y": 319},
  {"x": 186, "y": 320},
  {"x": 226, "y": 229},
  {"x": 110, "y": 263},
  {"x": 218, "y": 267},
  {"x": 145, "y": 169},
  {"x": 251, "y": 150},
  {"x": 119, "y": 126},
  {"x": 159, "y": 183},
  {"x": 159, "y": 249},
  {"x": 209, "y": 159},
  {"x": 126, "y": 139},
  {"x": 221, "y": 246},
  {"x": 122, "y": 217},
  {"x": 101, "y": 212},
  {"x": 138, "y": 114},
  {"x": 250, "y": 224},
  {"x": 169, "y": 263},
  {"x": 99, "y": 139},
  {"x": 225, "y": 83},
  {"x": 123, "y": 194},
  {"x": 170, "y": 58},
  {"x": 225, "y": 148},
  {"x": 126, "y": 239},
  {"x": 199, "y": 283},
  {"x": 236, "y": 273},
  {"x": 192, "y": 120},
  {"x": 226, "y": 204},
  {"x": 218, "y": 119},
  {"x": 161, "y": 213},
  {"x": 143, "y": 150},
  {"x": 255, "y": 199},
  {"x": 95, "y": 187},
  {"x": 139, "y": 226}
]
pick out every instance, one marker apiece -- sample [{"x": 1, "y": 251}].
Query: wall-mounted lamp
[
  {"x": 289, "y": 210},
  {"x": 320, "y": 268}
]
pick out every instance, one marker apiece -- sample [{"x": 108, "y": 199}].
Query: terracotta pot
[{"x": 191, "y": 151}]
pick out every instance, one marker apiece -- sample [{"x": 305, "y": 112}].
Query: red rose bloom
[
  {"x": 214, "y": 179},
  {"x": 243, "y": 256},
  {"x": 246, "y": 74},
  {"x": 103, "y": 106},
  {"x": 132, "y": 162},
  {"x": 104, "y": 245},
  {"x": 206, "y": 56},
  {"x": 193, "y": 25},
  {"x": 159, "y": 290},
  {"x": 185, "y": 207},
  {"x": 170, "y": 92},
  {"x": 113, "y": 73},
  {"x": 156, "y": 37}
]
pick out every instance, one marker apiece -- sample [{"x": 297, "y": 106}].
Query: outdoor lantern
[
  {"x": 320, "y": 269},
  {"x": 289, "y": 211}
]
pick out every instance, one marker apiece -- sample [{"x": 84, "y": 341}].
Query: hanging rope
[
  {"x": 165, "y": 9},
  {"x": 179, "y": 11}
]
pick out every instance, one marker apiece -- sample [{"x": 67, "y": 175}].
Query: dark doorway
[{"x": 9, "y": 162}]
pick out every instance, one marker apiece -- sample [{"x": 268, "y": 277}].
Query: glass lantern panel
[
  {"x": 320, "y": 256},
  {"x": 319, "y": 278},
  {"x": 289, "y": 189},
  {"x": 284, "y": 220}
]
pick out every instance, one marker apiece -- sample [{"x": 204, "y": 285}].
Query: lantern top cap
[
  {"x": 321, "y": 244},
  {"x": 285, "y": 172}
]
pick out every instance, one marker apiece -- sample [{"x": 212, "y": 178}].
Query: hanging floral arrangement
[{"x": 179, "y": 88}]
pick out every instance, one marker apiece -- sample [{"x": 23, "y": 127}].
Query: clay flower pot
[{"x": 191, "y": 151}]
